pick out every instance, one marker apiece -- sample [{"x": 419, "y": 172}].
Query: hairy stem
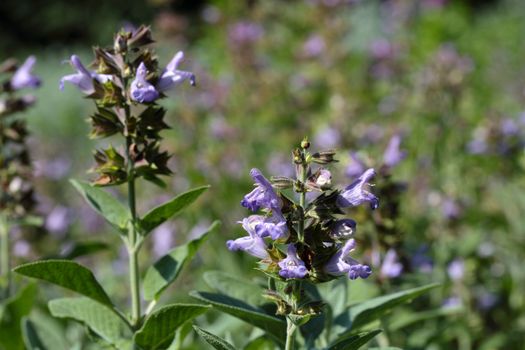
[
  {"x": 302, "y": 196},
  {"x": 133, "y": 247},
  {"x": 290, "y": 334},
  {"x": 5, "y": 257}
]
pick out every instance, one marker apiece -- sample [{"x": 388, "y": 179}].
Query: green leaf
[
  {"x": 82, "y": 249},
  {"x": 104, "y": 204},
  {"x": 260, "y": 343},
  {"x": 67, "y": 274},
  {"x": 408, "y": 319},
  {"x": 31, "y": 338},
  {"x": 355, "y": 341},
  {"x": 235, "y": 287},
  {"x": 166, "y": 269},
  {"x": 386, "y": 348},
  {"x": 158, "y": 215},
  {"x": 14, "y": 309},
  {"x": 275, "y": 327},
  {"x": 99, "y": 318},
  {"x": 361, "y": 314},
  {"x": 159, "y": 328},
  {"x": 215, "y": 341}
]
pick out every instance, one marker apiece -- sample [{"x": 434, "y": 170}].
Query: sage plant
[
  {"x": 303, "y": 241},
  {"x": 16, "y": 188},
  {"x": 126, "y": 83}
]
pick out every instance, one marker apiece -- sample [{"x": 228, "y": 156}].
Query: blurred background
[{"x": 446, "y": 79}]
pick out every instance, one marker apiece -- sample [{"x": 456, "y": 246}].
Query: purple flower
[
  {"x": 292, "y": 266},
  {"x": 314, "y": 46},
  {"x": 58, "y": 220},
  {"x": 342, "y": 229},
  {"x": 162, "y": 239},
  {"x": 456, "y": 270},
  {"x": 273, "y": 226},
  {"x": 391, "y": 267},
  {"x": 172, "y": 77},
  {"x": 356, "y": 166},
  {"x": 324, "y": 179},
  {"x": 262, "y": 195},
  {"x": 83, "y": 79},
  {"x": 243, "y": 33},
  {"x": 252, "y": 244},
  {"x": 341, "y": 263},
  {"x": 450, "y": 209},
  {"x": 356, "y": 194},
  {"x": 328, "y": 137},
  {"x": 393, "y": 155},
  {"x": 23, "y": 77},
  {"x": 141, "y": 90}
]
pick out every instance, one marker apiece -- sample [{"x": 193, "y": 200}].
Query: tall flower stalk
[
  {"x": 16, "y": 196},
  {"x": 305, "y": 241},
  {"x": 125, "y": 83}
]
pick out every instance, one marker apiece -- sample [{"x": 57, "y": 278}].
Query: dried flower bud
[{"x": 324, "y": 157}]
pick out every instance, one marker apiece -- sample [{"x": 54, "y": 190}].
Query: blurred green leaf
[
  {"x": 234, "y": 287},
  {"x": 31, "y": 338},
  {"x": 104, "y": 204},
  {"x": 215, "y": 341},
  {"x": 275, "y": 327},
  {"x": 67, "y": 274},
  {"x": 386, "y": 348},
  {"x": 83, "y": 248},
  {"x": 354, "y": 342},
  {"x": 158, "y": 215},
  {"x": 164, "y": 272},
  {"x": 99, "y": 318},
  {"x": 401, "y": 321},
  {"x": 260, "y": 343},
  {"x": 359, "y": 315},
  {"x": 159, "y": 328},
  {"x": 14, "y": 309},
  {"x": 47, "y": 329}
]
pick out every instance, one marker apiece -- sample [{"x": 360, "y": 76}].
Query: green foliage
[
  {"x": 67, "y": 274},
  {"x": 275, "y": 327},
  {"x": 234, "y": 287},
  {"x": 354, "y": 342},
  {"x": 105, "y": 204},
  {"x": 159, "y": 328},
  {"x": 215, "y": 341},
  {"x": 99, "y": 318},
  {"x": 167, "y": 268},
  {"x": 165, "y": 211},
  {"x": 362, "y": 314},
  {"x": 13, "y": 310},
  {"x": 32, "y": 340}
]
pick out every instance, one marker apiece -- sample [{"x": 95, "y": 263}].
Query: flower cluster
[
  {"x": 16, "y": 198},
  {"x": 305, "y": 240},
  {"x": 127, "y": 75}
]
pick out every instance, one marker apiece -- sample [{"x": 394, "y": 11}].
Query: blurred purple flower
[
  {"x": 341, "y": 263},
  {"x": 393, "y": 155},
  {"x": 356, "y": 166},
  {"x": 292, "y": 266},
  {"x": 141, "y": 90},
  {"x": 58, "y": 220},
  {"x": 477, "y": 146},
  {"x": 391, "y": 267},
  {"x": 279, "y": 164},
  {"x": 487, "y": 300},
  {"x": 251, "y": 244},
  {"x": 355, "y": 194},
  {"x": 314, "y": 46},
  {"x": 163, "y": 239},
  {"x": 342, "y": 229},
  {"x": 21, "y": 248},
  {"x": 262, "y": 196},
  {"x": 456, "y": 270},
  {"x": 421, "y": 261},
  {"x": 23, "y": 78},
  {"x": 381, "y": 49},
  {"x": 83, "y": 79},
  {"x": 509, "y": 127},
  {"x": 55, "y": 168},
  {"x": 245, "y": 33},
  {"x": 453, "y": 302},
  {"x": 172, "y": 77},
  {"x": 327, "y": 137},
  {"x": 450, "y": 209}
]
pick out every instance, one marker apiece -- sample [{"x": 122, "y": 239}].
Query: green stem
[
  {"x": 5, "y": 257},
  {"x": 290, "y": 334},
  {"x": 133, "y": 247}
]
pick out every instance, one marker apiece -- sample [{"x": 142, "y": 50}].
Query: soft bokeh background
[{"x": 447, "y": 76}]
